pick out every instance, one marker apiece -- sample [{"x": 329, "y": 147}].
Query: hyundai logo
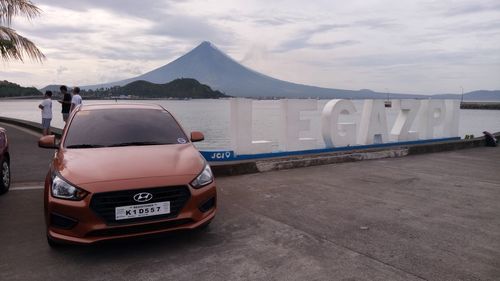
[{"x": 143, "y": 197}]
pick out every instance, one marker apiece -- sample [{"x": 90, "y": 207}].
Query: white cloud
[{"x": 406, "y": 46}]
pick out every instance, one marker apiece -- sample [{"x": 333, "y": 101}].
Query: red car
[{"x": 4, "y": 162}]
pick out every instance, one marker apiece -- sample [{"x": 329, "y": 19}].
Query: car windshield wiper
[
  {"x": 137, "y": 143},
  {"x": 84, "y": 146}
]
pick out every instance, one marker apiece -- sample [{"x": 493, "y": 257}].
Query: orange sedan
[{"x": 125, "y": 170}]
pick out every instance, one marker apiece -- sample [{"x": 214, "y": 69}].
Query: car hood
[{"x": 92, "y": 165}]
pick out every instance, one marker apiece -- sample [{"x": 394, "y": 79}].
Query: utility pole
[
  {"x": 462, "y": 100},
  {"x": 387, "y": 102}
]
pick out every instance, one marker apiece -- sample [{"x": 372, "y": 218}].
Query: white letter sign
[
  {"x": 241, "y": 129},
  {"x": 417, "y": 120},
  {"x": 292, "y": 125},
  {"x": 408, "y": 110},
  {"x": 373, "y": 127},
  {"x": 452, "y": 117},
  {"x": 335, "y": 133},
  {"x": 432, "y": 113}
]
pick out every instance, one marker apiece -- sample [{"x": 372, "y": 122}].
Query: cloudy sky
[{"x": 413, "y": 46}]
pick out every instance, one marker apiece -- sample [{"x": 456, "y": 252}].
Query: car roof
[{"x": 101, "y": 106}]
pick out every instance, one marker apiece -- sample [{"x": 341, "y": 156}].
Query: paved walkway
[{"x": 425, "y": 217}]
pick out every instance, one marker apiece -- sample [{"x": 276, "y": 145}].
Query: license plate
[{"x": 143, "y": 210}]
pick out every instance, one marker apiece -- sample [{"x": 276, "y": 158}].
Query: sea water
[{"x": 212, "y": 118}]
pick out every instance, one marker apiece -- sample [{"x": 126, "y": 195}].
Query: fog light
[
  {"x": 63, "y": 222},
  {"x": 209, "y": 204}
]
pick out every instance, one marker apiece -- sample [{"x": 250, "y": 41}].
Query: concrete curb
[
  {"x": 285, "y": 163},
  {"x": 274, "y": 164},
  {"x": 448, "y": 146},
  {"x": 290, "y": 162},
  {"x": 270, "y": 165},
  {"x": 37, "y": 127}
]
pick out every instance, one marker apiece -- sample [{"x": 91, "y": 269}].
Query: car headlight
[
  {"x": 63, "y": 190},
  {"x": 204, "y": 178}
]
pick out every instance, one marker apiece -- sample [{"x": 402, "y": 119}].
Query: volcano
[{"x": 210, "y": 66}]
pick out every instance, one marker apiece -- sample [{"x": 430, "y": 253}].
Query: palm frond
[
  {"x": 11, "y": 8},
  {"x": 15, "y": 47}
]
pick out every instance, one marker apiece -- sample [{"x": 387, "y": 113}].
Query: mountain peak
[
  {"x": 206, "y": 48},
  {"x": 205, "y": 45},
  {"x": 205, "y": 51}
]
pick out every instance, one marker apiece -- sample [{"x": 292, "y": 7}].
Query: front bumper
[{"x": 88, "y": 227}]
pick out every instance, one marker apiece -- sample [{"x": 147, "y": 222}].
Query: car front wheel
[{"x": 4, "y": 177}]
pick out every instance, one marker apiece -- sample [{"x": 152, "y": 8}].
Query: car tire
[{"x": 4, "y": 176}]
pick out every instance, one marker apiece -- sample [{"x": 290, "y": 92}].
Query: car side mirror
[
  {"x": 197, "y": 136},
  {"x": 47, "y": 142}
]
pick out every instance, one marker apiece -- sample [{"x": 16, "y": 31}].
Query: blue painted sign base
[{"x": 229, "y": 155}]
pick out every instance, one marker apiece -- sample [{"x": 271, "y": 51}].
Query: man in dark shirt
[{"x": 66, "y": 102}]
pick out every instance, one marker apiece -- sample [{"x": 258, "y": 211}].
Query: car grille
[{"x": 104, "y": 204}]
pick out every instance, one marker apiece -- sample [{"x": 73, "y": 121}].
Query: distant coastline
[{"x": 179, "y": 89}]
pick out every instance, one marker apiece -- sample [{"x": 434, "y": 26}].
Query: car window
[{"x": 123, "y": 127}]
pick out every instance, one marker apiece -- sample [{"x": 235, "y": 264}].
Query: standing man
[
  {"x": 66, "y": 102},
  {"x": 76, "y": 100},
  {"x": 46, "y": 107}
]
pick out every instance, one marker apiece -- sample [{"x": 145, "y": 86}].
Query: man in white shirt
[
  {"x": 76, "y": 100},
  {"x": 46, "y": 107}
]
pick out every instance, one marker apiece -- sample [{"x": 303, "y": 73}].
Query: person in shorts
[
  {"x": 76, "y": 100},
  {"x": 46, "y": 107},
  {"x": 65, "y": 102}
]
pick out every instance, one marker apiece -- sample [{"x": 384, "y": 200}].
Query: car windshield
[{"x": 123, "y": 127}]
